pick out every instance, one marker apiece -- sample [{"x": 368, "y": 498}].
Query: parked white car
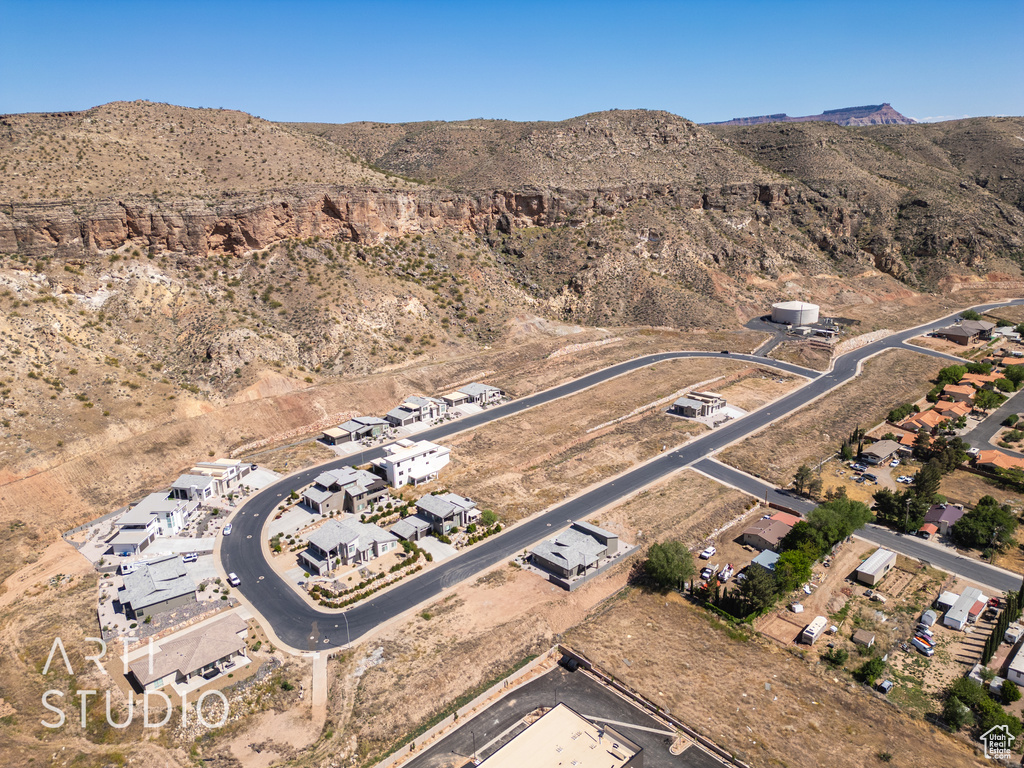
[
  {"x": 894, "y": 463},
  {"x": 708, "y": 553}
]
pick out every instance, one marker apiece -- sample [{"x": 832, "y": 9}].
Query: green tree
[
  {"x": 956, "y": 714},
  {"x": 988, "y": 525},
  {"x": 986, "y": 399},
  {"x": 758, "y": 591},
  {"x": 846, "y": 451},
  {"x": 835, "y": 657},
  {"x": 927, "y": 481},
  {"x": 982, "y": 369},
  {"x": 1005, "y": 385},
  {"x": 814, "y": 487},
  {"x": 792, "y": 569},
  {"x": 804, "y": 537},
  {"x": 1015, "y": 373},
  {"x": 951, "y": 374},
  {"x": 488, "y": 518},
  {"x": 870, "y": 670},
  {"x": 970, "y": 314},
  {"x": 669, "y": 564},
  {"x": 922, "y": 445},
  {"x": 802, "y": 477}
]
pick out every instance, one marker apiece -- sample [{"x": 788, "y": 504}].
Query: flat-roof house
[
  {"x": 208, "y": 479},
  {"x": 155, "y": 515},
  {"x": 1015, "y": 670},
  {"x": 766, "y": 534},
  {"x": 880, "y": 452},
  {"x": 864, "y": 638},
  {"x": 943, "y": 516},
  {"x": 447, "y": 510},
  {"x": 873, "y": 570},
  {"x": 960, "y": 614},
  {"x": 481, "y": 394},
  {"x": 966, "y": 331},
  {"x": 203, "y": 652},
  {"x": 156, "y": 586},
  {"x": 576, "y": 550},
  {"x": 561, "y": 738},
  {"x": 406, "y": 462},
  {"x": 697, "y": 404},
  {"x": 344, "y": 542},
  {"x": 346, "y": 489},
  {"x": 355, "y": 429},
  {"x": 412, "y": 528}
]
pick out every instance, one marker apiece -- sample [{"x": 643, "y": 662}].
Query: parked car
[
  {"x": 995, "y": 602},
  {"x": 894, "y": 463},
  {"x": 191, "y": 557},
  {"x": 869, "y": 476},
  {"x": 885, "y": 686},
  {"x": 859, "y": 467},
  {"x": 708, "y": 553},
  {"x": 708, "y": 572},
  {"x": 233, "y": 579},
  {"x": 923, "y": 631},
  {"x": 227, "y": 529}
]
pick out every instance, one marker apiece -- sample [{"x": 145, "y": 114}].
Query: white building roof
[
  {"x": 156, "y": 581},
  {"x": 794, "y": 305},
  {"x": 877, "y": 561},
  {"x": 476, "y": 389},
  {"x": 962, "y": 607}
]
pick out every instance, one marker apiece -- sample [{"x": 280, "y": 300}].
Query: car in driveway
[
  {"x": 894, "y": 463},
  {"x": 233, "y": 579},
  {"x": 859, "y": 467},
  {"x": 708, "y": 553},
  {"x": 227, "y": 529},
  {"x": 191, "y": 557}
]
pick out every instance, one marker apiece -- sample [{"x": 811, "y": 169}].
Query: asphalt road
[
  {"x": 305, "y": 628},
  {"x": 941, "y": 557},
  {"x": 981, "y": 436},
  {"x": 581, "y": 693}
]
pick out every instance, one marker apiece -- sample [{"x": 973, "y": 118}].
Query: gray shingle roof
[
  {"x": 317, "y": 495},
  {"x": 154, "y": 582},
  {"x": 193, "y": 650},
  {"x": 571, "y": 549},
  {"x": 333, "y": 533},
  {"x": 444, "y": 505},
  {"x": 410, "y": 527},
  {"x": 476, "y": 389}
]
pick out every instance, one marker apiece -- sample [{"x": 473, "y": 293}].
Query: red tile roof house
[
  {"x": 958, "y": 393},
  {"x": 929, "y": 420},
  {"x": 928, "y": 530},
  {"x": 942, "y": 516},
  {"x": 787, "y": 518},
  {"x": 993, "y": 459}
]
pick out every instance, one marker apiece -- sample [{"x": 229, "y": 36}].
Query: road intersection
[{"x": 305, "y": 628}]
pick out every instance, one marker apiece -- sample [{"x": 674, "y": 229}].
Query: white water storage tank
[{"x": 795, "y": 313}]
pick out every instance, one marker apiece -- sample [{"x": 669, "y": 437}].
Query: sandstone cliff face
[{"x": 359, "y": 215}]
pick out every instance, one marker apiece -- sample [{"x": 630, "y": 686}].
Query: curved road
[{"x": 303, "y": 627}]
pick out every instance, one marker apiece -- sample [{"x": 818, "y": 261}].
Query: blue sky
[{"x": 408, "y": 61}]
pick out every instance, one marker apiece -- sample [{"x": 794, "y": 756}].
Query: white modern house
[
  {"x": 156, "y": 515},
  {"x": 480, "y": 394},
  {"x": 406, "y": 462},
  {"x": 208, "y": 479},
  {"x": 416, "y": 409}
]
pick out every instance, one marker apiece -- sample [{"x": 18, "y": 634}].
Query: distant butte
[{"x": 872, "y": 114}]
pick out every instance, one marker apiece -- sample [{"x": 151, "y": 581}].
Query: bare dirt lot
[
  {"x": 522, "y": 464},
  {"x": 888, "y": 380},
  {"x": 803, "y": 353},
  {"x": 769, "y": 707},
  {"x": 944, "y": 345}
]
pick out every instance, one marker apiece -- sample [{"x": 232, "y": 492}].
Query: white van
[{"x": 923, "y": 646}]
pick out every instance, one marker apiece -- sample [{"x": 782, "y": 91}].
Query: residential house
[
  {"x": 1015, "y": 670},
  {"x": 406, "y": 462},
  {"x": 959, "y": 393},
  {"x": 966, "y": 331},
  {"x": 787, "y": 518},
  {"x": 953, "y": 410},
  {"x": 927, "y": 530},
  {"x": 156, "y": 515},
  {"x": 416, "y": 409},
  {"x": 1006, "y": 332},
  {"x": 412, "y": 528},
  {"x": 575, "y": 551},
  {"x": 208, "y": 479},
  {"x": 481, "y": 394},
  {"x": 697, "y": 404},
  {"x": 344, "y": 490},
  {"x": 344, "y": 542},
  {"x": 979, "y": 380},
  {"x": 873, "y": 570},
  {"x": 446, "y": 511},
  {"x": 966, "y": 609},
  {"x": 880, "y": 452},
  {"x": 943, "y": 516},
  {"x": 157, "y": 586},
  {"x": 928, "y": 420},
  {"x": 205, "y": 652},
  {"x": 907, "y": 441},
  {"x": 863, "y": 638},
  {"x": 355, "y": 429},
  {"x": 766, "y": 534},
  {"x": 993, "y": 459},
  {"x": 1008, "y": 361}
]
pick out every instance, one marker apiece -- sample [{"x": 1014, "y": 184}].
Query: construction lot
[
  {"x": 816, "y": 432},
  {"x": 524, "y": 463}
]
